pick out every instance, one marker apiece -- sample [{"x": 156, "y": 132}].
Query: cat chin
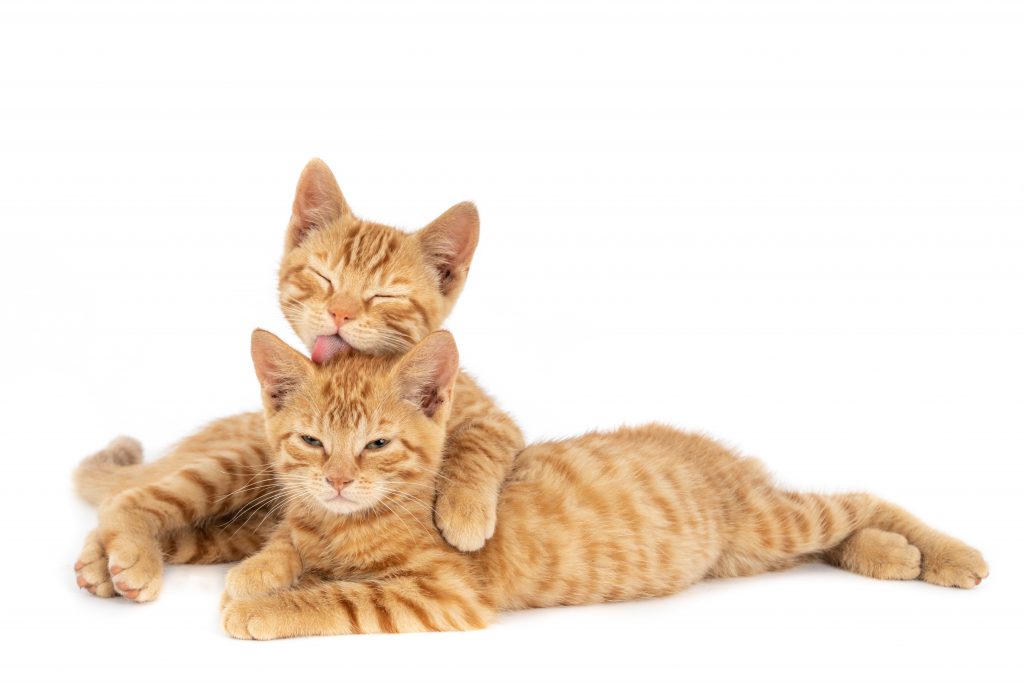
[{"x": 340, "y": 505}]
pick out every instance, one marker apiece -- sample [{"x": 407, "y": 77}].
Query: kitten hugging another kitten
[{"x": 381, "y": 490}]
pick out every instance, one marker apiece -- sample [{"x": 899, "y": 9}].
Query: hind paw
[
  {"x": 879, "y": 554},
  {"x": 954, "y": 564}
]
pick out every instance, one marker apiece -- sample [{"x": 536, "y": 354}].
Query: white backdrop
[{"x": 796, "y": 225}]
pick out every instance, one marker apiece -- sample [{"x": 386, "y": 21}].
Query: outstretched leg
[
  {"x": 229, "y": 538},
  {"x": 221, "y": 470},
  {"x": 945, "y": 561},
  {"x": 316, "y": 607},
  {"x": 773, "y": 529}
]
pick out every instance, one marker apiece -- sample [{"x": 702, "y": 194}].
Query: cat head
[
  {"x": 361, "y": 431},
  {"x": 349, "y": 284}
]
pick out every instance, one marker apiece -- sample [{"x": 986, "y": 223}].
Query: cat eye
[
  {"x": 323, "y": 277},
  {"x": 377, "y": 444},
  {"x": 384, "y": 296},
  {"x": 312, "y": 441}
]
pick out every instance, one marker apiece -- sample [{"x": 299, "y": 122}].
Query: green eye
[
  {"x": 312, "y": 441},
  {"x": 377, "y": 445}
]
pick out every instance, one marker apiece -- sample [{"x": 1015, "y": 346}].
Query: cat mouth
[
  {"x": 339, "y": 498},
  {"x": 341, "y": 504},
  {"x": 327, "y": 347}
]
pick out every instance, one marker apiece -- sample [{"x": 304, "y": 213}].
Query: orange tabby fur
[
  {"x": 214, "y": 497},
  {"x": 633, "y": 513}
]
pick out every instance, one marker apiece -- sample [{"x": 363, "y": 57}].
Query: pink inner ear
[
  {"x": 428, "y": 372},
  {"x": 463, "y": 231},
  {"x": 318, "y": 201},
  {"x": 314, "y": 207},
  {"x": 431, "y": 401},
  {"x": 280, "y": 368},
  {"x": 450, "y": 242},
  {"x": 315, "y": 200}
]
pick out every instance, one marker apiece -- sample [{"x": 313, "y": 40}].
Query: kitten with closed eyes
[{"x": 346, "y": 286}]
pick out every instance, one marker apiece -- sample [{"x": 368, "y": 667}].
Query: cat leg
[
  {"x": 221, "y": 469},
  {"x": 229, "y": 538},
  {"x": 316, "y": 607},
  {"x": 478, "y": 456},
  {"x": 856, "y": 531},
  {"x": 945, "y": 561}
]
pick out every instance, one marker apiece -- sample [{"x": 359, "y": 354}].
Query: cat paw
[
  {"x": 247, "y": 620},
  {"x": 136, "y": 567},
  {"x": 234, "y": 617},
  {"x": 953, "y": 564},
  {"x": 466, "y": 520},
  {"x": 880, "y": 555},
  {"x": 252, "y": 578},
  {"x": 91, "y": 569}
]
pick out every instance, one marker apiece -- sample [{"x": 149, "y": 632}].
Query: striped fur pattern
[
  {"x": 215, "y": 496},
  {"x": 634, "y": 513}
]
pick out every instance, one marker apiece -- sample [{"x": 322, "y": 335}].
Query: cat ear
[
  {"x": 448, "y": 244},
  {"x": 318, "y": 201},
  {"x": 280, "y": 368},
  {"x": 426, "y": 374}
]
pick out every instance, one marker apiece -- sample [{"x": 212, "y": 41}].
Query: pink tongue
[{"x": 327, "y": 348}]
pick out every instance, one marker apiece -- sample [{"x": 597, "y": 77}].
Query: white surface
[{"x": 796, "y": 225}]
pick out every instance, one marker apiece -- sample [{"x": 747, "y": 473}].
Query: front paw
[
  {"x": 253, "y": 578},
  {"x": 113, "y": 563},
  {"x": 235, "y": 616},
  {"x": 91, "y": 571},
  {"x": 253, "y": 619},
  {"x": 136, "y": 566},
  {"x": 466, "y": 519}
]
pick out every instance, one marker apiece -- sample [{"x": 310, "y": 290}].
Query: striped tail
[{"x": 110, "y": 470}]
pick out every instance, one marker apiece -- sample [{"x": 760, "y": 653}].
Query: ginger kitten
[
  {"x": 634, "y": 513},
  {"x": 346, "y": 286}
]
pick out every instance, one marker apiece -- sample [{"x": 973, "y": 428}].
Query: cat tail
[{"x": 111, "y": 469}]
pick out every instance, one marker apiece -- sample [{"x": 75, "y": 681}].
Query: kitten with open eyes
[
  {"x": 346, "y": 286},
  {"x": 628, "y": 514}
]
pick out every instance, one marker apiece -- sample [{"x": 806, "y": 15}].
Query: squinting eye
[
  {"x": 324, "y": 278},
  {"x": 312, "y": 441},
  {"x": 384, "y": 296},
  {"x": 376, "y": 445}
]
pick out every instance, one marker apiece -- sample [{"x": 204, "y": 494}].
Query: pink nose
[
  {"x": 338, "y": 481},
  {"x": 341, "y": 315}
]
